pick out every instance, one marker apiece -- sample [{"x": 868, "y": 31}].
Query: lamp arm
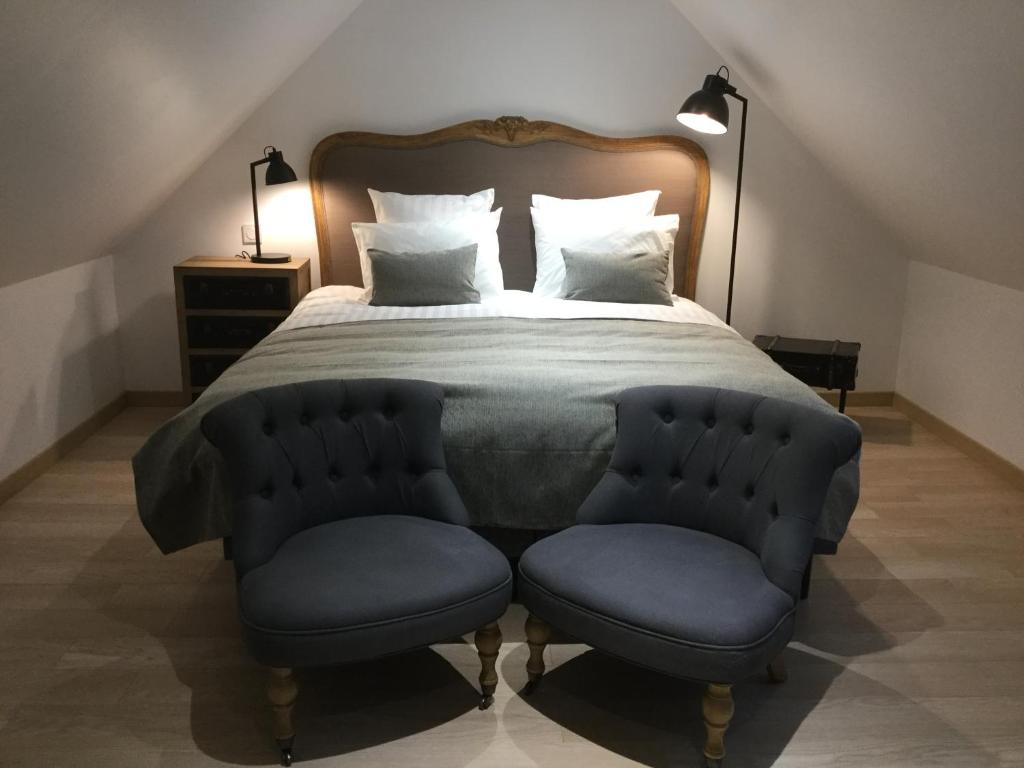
[
  {"x": 736, "y": 215},
  {"x": 255, "y": 209}
]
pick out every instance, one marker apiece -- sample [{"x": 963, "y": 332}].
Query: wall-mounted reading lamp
[
  {"x": 707, "y": 111},
  {"x": 278, "y": 172}
]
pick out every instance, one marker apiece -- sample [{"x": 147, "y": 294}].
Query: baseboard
[
  {"x": 42, "y": 461},
  {"x": 156, "y": 398},
  {"x": 992, "y": 460},
  {"x": 857, "y": 398}
]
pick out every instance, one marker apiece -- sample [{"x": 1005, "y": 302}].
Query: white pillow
[
  {"x": 391, "y": 207},
  {"x": 417, "y": 236},
  {"x": 554, "y": 232},
  {"x": 622, "y": 206}
]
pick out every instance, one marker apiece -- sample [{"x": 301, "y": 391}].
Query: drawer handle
[{"x": 239, "y": 292}]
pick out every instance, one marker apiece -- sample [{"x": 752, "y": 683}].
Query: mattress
[{"x": 530, "y": 390}]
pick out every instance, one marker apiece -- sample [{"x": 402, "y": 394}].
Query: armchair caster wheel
[
  {"x": 531, "y": 686},
  {"x": 286, "y": 751},
  {"x": 485, "y": 701}
]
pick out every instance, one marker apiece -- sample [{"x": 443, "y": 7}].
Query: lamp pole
[
  {"x": 736, "y": 213},
  {"x": 255, "y": 208}
]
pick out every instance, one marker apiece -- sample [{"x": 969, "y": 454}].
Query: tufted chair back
[
  {"x": 751, "y": 469},
  {"x": 301, "y": 455}
]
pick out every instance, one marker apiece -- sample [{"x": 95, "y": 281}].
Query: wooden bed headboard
[{"x": 517, "y": 157}]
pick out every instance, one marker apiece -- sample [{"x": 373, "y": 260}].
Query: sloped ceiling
[
  {"x": 108, "y": 105},
  {"x": 918, "y": 105}
]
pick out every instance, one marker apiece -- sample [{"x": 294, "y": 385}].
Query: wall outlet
[{"x": 248, "y": 234}]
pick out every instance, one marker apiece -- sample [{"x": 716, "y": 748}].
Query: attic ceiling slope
[
  {"x": 916, "y": 105},
  {"x": 108, "y": 105}
]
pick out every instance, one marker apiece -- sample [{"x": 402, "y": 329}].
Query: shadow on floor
[
  {"x": 345, "y": 709},
  {"x": 838, "y": 618},
  {"x": 157, "y": 616},
  {"x": 639, "y": 714},
  {"x": 340, "y": 710},
  {"x": 655, "y": 720}
]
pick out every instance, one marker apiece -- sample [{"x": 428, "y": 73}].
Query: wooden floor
[{"x": 910, "y": 651}]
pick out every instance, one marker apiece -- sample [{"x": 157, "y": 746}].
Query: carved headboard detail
[{"x": 543, "y": 157}]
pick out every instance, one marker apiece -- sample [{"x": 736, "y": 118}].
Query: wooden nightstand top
[{"x": 220, "y": 262}]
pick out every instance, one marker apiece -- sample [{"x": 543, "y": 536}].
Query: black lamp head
[
  {"x": 278, "y": 171},
  {"x": 706, "y": 110}
]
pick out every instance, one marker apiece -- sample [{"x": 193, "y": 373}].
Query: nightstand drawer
[
  {"x": 235, "y": 292},
  {"x": 203, "y": 369},
  {"x": 227, "y": 332},
  {"x": 226, "y": 307}
]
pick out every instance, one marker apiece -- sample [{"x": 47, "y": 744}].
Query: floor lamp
[{"x": 707, "y": 111}]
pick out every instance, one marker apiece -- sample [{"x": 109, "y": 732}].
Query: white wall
[
  {"x": 59, "y": 359},
  {"x": 812, "y": 261},
  {"x": 109, "y": 105},
  {"x": 962, "y": 356}
]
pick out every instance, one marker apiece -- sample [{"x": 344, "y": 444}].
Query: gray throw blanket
[{"x": 529, "y": 418}]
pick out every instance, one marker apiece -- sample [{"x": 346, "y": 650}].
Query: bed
[{"x": 530, "y": 384}]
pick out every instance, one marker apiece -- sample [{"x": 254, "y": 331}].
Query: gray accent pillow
[
  {"x": 627, "y": 278},
  {"x": 423, "y": 279}
]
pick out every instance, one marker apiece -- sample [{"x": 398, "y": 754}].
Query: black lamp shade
[
  {"x": 706, "y": 110},
  {"x": 278, "y": 171}
]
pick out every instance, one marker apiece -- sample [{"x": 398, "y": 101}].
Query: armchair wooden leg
[
  {"x": 282, "y": 692},
  {"x": 538, "y": 633},
  {"x": 777, "y": 670},
  {"x": 718, "y": 709},
  {"x": 488, "y": 641}
]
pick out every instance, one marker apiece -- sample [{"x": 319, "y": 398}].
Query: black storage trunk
[{"x": 816, "y": 362}]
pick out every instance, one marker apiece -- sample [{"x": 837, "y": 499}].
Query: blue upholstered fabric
[
  {"x": 350, "y": 538},
  {"x": 301, "y": 455},
  {"x": 750, "y": 469},
  {"x": 688, "y": 554},
  {"x": 633, "y": 592},
  {"x": 668, "y": 580},
  {"x": 368, "y": 586}
]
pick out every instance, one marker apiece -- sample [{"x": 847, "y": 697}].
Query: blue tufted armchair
[
  {"x": 687, "y": 556},
  {"x": 350, "y": 539}
]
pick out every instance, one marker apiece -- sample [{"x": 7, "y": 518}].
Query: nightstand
[
  {"x": 225, "y": 306},
  {"x": 816, "y": 362}
]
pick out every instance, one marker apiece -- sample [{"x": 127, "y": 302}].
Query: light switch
[{"x": 248, "y": 234}]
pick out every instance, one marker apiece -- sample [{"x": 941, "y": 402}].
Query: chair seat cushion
[
  {"x": 679, "y": 600},
  {"x": 368, "y": 586}
]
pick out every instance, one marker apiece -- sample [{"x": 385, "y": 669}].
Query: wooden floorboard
[{"x": 910, "y": 651}]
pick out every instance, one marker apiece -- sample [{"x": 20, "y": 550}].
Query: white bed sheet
[{"x": 335, "y": 304}]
